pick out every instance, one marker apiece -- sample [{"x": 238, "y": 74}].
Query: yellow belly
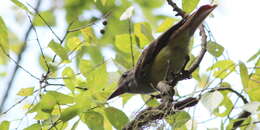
[{"x": 167, "y": 61}]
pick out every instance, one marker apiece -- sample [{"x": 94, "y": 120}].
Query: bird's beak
[{"x": 120, "y": 90}]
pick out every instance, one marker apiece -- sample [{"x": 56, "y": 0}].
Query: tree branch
[
  {"x": 179, "y": 11},
  {"x": 244, "y": 115},
  {"x": 152, "y": 114},
  {"x": 19, "y": 59}
]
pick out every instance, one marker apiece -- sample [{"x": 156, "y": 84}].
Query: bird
[{"x": 168, "y": 53}]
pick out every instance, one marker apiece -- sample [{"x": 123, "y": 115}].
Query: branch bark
[{"x": 152, "y": 114}]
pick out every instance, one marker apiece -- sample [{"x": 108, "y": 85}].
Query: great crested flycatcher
[{"x": 167, "y": 53}]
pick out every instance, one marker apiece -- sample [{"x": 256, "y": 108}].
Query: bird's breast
[{"x": 170, "y": 59}]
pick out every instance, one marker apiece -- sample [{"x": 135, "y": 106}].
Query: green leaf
[
  {"x": 97, "y": 74},
  {"x": 257, "y": 64},
  {"x": 103, "y": 2},
  {"x": 59, "y": 126},
  {"x": 3, "y": 74},
  {"x": 243, "y": 74},
  {"x": 50, "y": 99},
  {"x": 150, "y": 103},
  {"x": 126, "y": 98},
  {"x": 94, "y": 74},
  {"x": 35, "y": 126},
  {"x": 149, "y": 4},
  {"x": 166, "y": 24},
  {"x": 215, "y": 49},
  {"x": 123, "y": 62},
  {"x": 75, "y": 125},
  {"x": 189, "y": 5},
  {"x": 88, "y": 34},
  {"x": 16, "y": 48},
  {"x": 25, "y": 92},
  {"x": 196, "y": 73},
  {"x": 212, "y": 100},
  {"x": 253, "y": 89},
  {"x": 4, "y": 125},
  {"x": 85, "y": 101},
  {"x": 116, "y": 117},
  {"x": 47, "y": 103},
  {"x": 143, "y": 32},
  {"x": 95, "y": 54},
  {"x": 123, "y": 43},
  {"x": 21, "y": 5},
  {"x": 59, "y": 50},
  {"x": 69, "y": 78},
  {"x": 179, "y": 119},
  {"x": 226, "y": 102},
  {"x": 203, "y": 80},
  {"x": 222, "y": 68},
  {"x": 42, "y": 115},
  {"x": 94, "y": 120},
  {"x": 254, "y": 56},
  {"x": 48, "y": 16},
  {"x": 52, "y": 66},
  {"x": 4, "y": 45},
  {"x": 69, "y": 113},
  {"x": 85, "y": 66},
  {"x": 60, "y": 98},
  {"x": 74, "y": 44},
  {"x": 4, "y": 35}
]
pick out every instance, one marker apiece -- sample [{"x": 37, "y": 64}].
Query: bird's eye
[{"x": 124, "y": 75}]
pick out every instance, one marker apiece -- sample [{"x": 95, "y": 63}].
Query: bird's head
[{"x": 125, "y": 84}]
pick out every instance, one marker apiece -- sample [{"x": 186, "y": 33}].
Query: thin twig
[
  {"x": 38, "y": 42},
  {"x": 45, "y": 22},
  {"x": 56, "y": 84},
  {"x": 61, "y": 41},
  {"x": 131, "y": 41},
  {"x": 232, "y": 90},
  {"x": 244, "y": 115},
  {"x": 16, "y": 62},
  {"x": 19, "y": 59},
  {"x": 196, "y": 64},
  {"x": 92, "y": 23},
  {"x": 179, "y": 11},
  {"x": 13, "y": 105}
]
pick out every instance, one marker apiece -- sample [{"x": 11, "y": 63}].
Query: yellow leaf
[
  {"x": 88, "y": 34},
  {"x": 74, "y": 43},
  {"x": 27, "y": 106},
  {"x": 166, "y": 24},
  {"x": 103, "y": 2},
  {"x": 25, "y": 92}
]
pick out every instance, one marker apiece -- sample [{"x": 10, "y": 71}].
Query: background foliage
[{"x": 78, "y": 73}]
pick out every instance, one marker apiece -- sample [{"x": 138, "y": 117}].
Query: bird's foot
[
  {"x": 184, "y": 74},
  {"x": 166, "y": 91}
]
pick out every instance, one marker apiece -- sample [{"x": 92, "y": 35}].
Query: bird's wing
[{"x": 148, "y": 55}]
